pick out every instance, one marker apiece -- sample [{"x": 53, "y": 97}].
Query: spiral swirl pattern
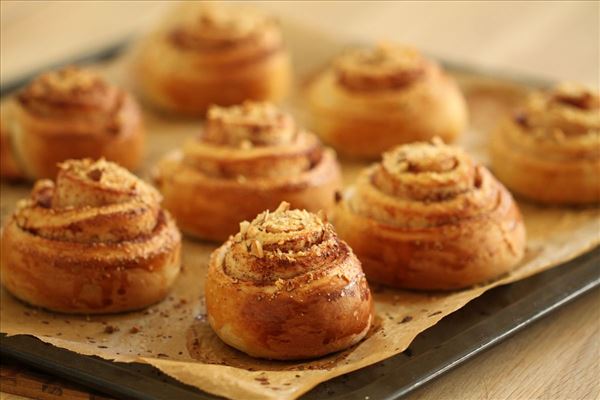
[
  {"x": 95, "y": 219},
  {"x": 413, "y": 218},
  {"x": 564, "y": 120},
  {"x": 91, "y": 202},
  {"x": 217, "y": 28},
  {"x": 254, "y": 140},
  {"x": 213, "y": 54},
  {"x": 281, "y": 245},
  {"x": 555, "y": 137},
  {"x": 71, "y": 91},
  {"x": 287, "y": 265},
  {"x": 380, "y": 68},
  {"x": 372, "y": 99},
  {"x": 252, "y": 151},
  {"x": 71, "y": 113},
  {"x": 424, "y": 184}
]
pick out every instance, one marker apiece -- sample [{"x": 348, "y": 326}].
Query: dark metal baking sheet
[
  {"x": 106, "y": 53},
  {"x": 481, "y": 324}
]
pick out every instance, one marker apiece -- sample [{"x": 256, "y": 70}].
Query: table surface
[{"x": 556, "y": 358}]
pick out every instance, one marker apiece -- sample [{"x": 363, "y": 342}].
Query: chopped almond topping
[
  {"x": 322, "y": 215},
  {"x": 249, "y": 125},
  {"x": 256, "y": 249},
  {"x": 283, "y": 206},
  {"x": 244, "y": 227}
]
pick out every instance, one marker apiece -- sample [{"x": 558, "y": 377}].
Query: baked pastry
[
  {"x": 8, "y": 165},
  {"x": 429, "y": 217},
  {"x": 66, "y": 114},
  {"x": 96, "y": 241},
  {"x": 247, "y": 159},
  {"x": 285, "y": 287},
  {"x": 213, "y": 54},
  {"x": 372, "y": 99},
  {"x": 549, "y": 149}
]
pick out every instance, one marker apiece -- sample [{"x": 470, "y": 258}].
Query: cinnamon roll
[
  {"x": 371, "y": 99},
  {"x": 429, "y": 217},
  {"x": 549, "y": 149},
  {"x": 94, "y": 241},
  {"x": 67, "y": 114},
  {"x": 247, "y": 159},
  {"x": 213, "y": 54},
  {"x": 285, "y": 287},
  {"x": 9, "y": 169}
]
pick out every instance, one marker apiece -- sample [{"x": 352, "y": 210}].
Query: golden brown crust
[
  {"x": 429, "y": 217},
  {"x": 9, "y": 169},
  {"x": 285, "y": 287},
  {"x": 549, "y": 150},
  {"x": 213, "y": 54},
  {"x": 372, "y": 99},
  {"x": 248, "y": 158},
  {"x": 96, "y": 241},
  {"x": 69, "y": 114}
]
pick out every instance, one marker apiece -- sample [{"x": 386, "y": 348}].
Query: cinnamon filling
[
  {"x": 281, "y": 245},
  {"x": 92, "y": 201},
  {"x": 564, "y": 112},
  {"x": 427, "y": 171},
  {"x": 284, "y": 230},
  {"x": 575, "y": 96},
  {"x": 213, "y": 29},
  {"x": 42, "y": 193},
  {"x": 97, "y": 183},
  {"x": 74, "y": 93},
  {"x": 520, "y": 118},
  {"x": 67, "y": 87},
  {"x": 252, "y": 140},
  {"x": 248, "y": 125},
  {"x": 380, "y": 68}
]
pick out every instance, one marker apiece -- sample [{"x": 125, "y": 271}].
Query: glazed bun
[
  {"x": 285, "y": 287},
  {"x": 429, "y": 217},
  {"x": 248, "y": 158},
  {"x": 96, "y": 241},
  {"x": 68, "y": 114},
  {"x": 372, "y": 99},
  {"x": 213, "y": 54},
  {"x": 549, "y": 150}
]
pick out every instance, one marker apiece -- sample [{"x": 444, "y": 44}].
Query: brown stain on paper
[{"x": 205, "y": 346}]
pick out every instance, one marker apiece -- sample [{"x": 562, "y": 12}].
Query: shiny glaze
[
  {"x": 93, "y": 242},
  {"x": 301, "y": 295},
  {"x": 555, "y": 137},
  {"x": 253, "y": 152},
  {"x": 445, "y": 224},
  {"x": 70, "y": 113}
]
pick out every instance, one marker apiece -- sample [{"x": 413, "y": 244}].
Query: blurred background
[{"x": 549, "y": 39}]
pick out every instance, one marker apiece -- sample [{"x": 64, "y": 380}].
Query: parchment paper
[{"x": 174, "y": 335}]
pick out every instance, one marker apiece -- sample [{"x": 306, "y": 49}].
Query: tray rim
[
  {"x": 584, "y": 279},
  {"x": 119, "y": 47}
]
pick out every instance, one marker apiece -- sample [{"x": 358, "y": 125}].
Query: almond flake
[
  {"x": 322, "y": 215},
  {"x": 283, "y": 206},
  {"x": 257, "y": 249},
  {"x": 244, "y": 227}
]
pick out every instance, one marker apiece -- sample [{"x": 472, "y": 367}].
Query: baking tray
[{"x": 474, "y": 328}]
